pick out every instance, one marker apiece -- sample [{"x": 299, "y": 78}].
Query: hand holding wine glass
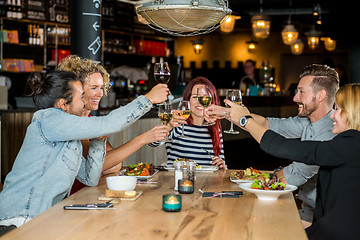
[
  {"x": 233, "y": 95},
  {"x": 165, "y": 114},
  {"x": 204, "y": 98},
  {"x": 184, "y": 108},
  {"x": 162, "y": 72}
]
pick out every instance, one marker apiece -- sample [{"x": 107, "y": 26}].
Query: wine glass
[
  {"x": 184, "y": 107},
  {"x": 162, "y": 72},
  {"x": 204, "y": 98},
  {"x": 165, "y": 114},
  {"x": 233, "y": 95}
]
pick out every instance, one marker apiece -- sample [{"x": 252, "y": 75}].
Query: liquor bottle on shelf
[
  {"x": 9, "y": 12},
  {"x": 30, "y": 34},
  {"x": 19, "y": 13},
  {"x": 37, "y": 42}
]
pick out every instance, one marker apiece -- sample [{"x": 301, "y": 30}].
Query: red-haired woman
[{"x": 198, "y": 137}]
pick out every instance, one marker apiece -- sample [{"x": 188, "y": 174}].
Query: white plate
[
  {"x": 122, "y": 173},
  {"x": 267, "y": 194},
  {"x": 240, "y": 180},
  {"x": 202, "y": 169}
]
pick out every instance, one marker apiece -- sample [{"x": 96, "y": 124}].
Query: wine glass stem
[
  {"x": 182, "y": 130},
  {"x": 231, "y": 127}
]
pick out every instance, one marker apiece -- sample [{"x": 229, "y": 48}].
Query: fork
[{"x": 207, "y": 152}]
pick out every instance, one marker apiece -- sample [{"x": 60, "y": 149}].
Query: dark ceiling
[{"x": 334, "y": 15}]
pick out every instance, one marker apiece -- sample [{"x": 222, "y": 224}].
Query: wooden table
[{"x": 200, "y": 218}]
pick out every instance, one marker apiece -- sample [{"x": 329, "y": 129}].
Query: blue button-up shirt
[{"x": 51, "y": 157}]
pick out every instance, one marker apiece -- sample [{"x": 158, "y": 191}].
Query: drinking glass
[
  {"x": 184, "y": 107},
  {"x": 165, "y": 114},
  {"x": 162, "y": 73},
  {"x": 233, "y": 95},
  {"x": 204, "y": 98}
]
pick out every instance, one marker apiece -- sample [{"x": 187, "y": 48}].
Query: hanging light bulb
[
  {"x": 252, "y": 45},
  {"x": 289, "y": 34},
  {"x": 260, "y": 26},
  {"x": 330, "y": 44},
  {"x": 298, "y": 47},
  {"x": 313, "y": 38},
  {"x": 198, "y": 45},
  {"x": 228, "y": 23}
]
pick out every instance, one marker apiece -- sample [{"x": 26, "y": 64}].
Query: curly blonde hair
[{"x": 83, "y": 68}]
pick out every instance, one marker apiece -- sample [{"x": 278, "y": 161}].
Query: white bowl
[
  {"x": 121, "y": 183},
  {"x": 267, "y": 194}
]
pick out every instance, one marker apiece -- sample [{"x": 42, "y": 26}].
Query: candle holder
[
  {"x": 171, "y": 202},
  {"x": 186, "y": 186}
]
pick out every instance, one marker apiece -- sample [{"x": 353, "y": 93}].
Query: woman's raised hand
[
  {"x": 176, "y": 120},
  {"x": 158, "y": 93},
  {"x": 155, "y": 134}
]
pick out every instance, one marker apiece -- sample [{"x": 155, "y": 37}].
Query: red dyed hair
[{"x": 214, "y": 130}]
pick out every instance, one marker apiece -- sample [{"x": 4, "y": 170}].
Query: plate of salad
[
  {"x": 270, "y": 190},
  {"x": 248, "y": 175},
  {"x": 140, "y": 170}
]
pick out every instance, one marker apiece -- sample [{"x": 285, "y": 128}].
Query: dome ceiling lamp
[
  {"x": 289, "y": 34},
  {"x": 298, "y": 47},
  {"x": 184, "y": 17},
  {"x": 228, "y": 23},
  {"x": 260, "y": 24}
]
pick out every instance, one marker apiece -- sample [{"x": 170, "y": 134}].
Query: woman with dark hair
[
  {"x": 50, "y": 157},
  {"x": 199, "y": 138}
]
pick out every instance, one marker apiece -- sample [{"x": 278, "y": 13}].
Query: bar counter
[{"x": 200, "y": 218}]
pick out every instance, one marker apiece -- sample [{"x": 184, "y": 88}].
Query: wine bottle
[
  {"x": 19, "y": 14},
  {"x": 37, "y": 35},
  {"x": 30, "y": 39}
]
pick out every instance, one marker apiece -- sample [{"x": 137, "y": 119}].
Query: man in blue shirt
[{"x": 315, "y": 98}]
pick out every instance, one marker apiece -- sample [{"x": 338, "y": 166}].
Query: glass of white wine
[
  {"x": 233, "y": 95},
  {"x": 165, "y": 114},
  {"x": 184, "y": 108},
  {"x": 204, "y": 98}
]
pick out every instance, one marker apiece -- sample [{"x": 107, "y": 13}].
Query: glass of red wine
[{"x": 162, "y": 72}]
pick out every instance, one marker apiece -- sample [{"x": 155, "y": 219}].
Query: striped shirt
[{"x": 191, "y": 147}]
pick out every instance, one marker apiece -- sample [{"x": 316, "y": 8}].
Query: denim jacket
[{"x": 51, "y": 158}]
